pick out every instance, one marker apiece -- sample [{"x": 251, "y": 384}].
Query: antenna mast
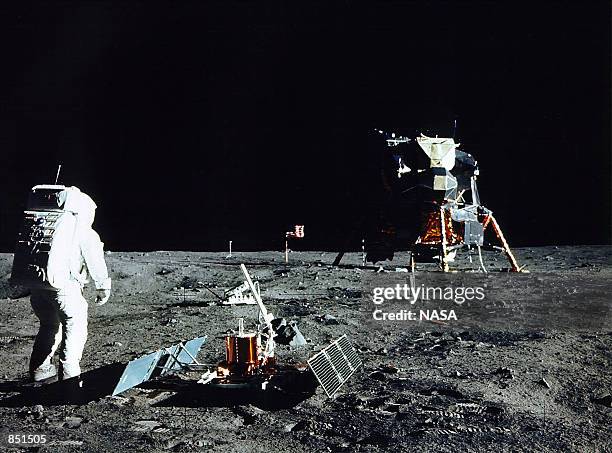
[{"x": 59, "y": 168}]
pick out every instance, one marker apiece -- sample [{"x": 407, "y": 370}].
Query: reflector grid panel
[{"x": 334, "y": 365}]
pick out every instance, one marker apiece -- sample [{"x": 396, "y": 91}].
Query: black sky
[{"x": 194, "y": 123}]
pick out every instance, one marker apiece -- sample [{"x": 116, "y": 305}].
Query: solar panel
[
  {"x": 168, "y": 360},
  {"x": 335, "y": 364},
  {"x": 181, "y": 355},
  {"x": 191, "y": 349},
  {"x": 137, "y": 371}
]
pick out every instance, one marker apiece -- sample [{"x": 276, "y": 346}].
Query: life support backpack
[{"x": 45, "y": 240}]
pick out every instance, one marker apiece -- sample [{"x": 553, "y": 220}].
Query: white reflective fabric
[
  {"x": 441, "y": 151},
  {"x": 82, "y": 251},
  {"x": 63, "y": 320},
  {"x": 62, "y": 245},
  {"x": 444, "y": 182},
  {"x": 76, "y": 252}
]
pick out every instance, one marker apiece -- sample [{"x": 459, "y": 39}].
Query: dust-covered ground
[{"x": 525, "y": 368}]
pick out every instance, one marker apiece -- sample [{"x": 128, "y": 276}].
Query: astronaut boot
[{"x": 44, "y": 373}]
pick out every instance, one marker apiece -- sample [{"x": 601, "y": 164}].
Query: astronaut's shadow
[{"x": 97, "y": 384}]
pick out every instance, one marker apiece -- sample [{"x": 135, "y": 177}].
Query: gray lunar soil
[{"x": 525, "y": 369}]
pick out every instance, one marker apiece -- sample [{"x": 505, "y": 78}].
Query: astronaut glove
[{"x": 102, "y": 296}]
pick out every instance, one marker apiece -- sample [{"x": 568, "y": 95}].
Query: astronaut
[{"x": 62, "y": 310}]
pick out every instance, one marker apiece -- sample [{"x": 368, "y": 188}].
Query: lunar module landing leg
[
  {"x": 440, "y": 239},
  {"x": 500, "y": 235}
]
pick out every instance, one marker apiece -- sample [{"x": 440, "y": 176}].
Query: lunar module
[
  {"x": 430, "y": 204},
  {"x": 250, "y": 358}
]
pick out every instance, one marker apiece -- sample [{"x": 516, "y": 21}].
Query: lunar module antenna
[
  {"x": 59, "y": 168},
  {"x": 393, "y": 139}
]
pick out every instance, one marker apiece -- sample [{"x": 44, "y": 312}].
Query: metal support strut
[
  {"x": 443, "y": 258},
  {"x": 500, "y": 235}
]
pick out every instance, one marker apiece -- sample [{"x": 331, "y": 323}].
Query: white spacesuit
[{"x": 63, "y": 312}]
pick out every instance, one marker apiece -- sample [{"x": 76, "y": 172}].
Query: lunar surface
[{"x": 524, "y": 368}]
